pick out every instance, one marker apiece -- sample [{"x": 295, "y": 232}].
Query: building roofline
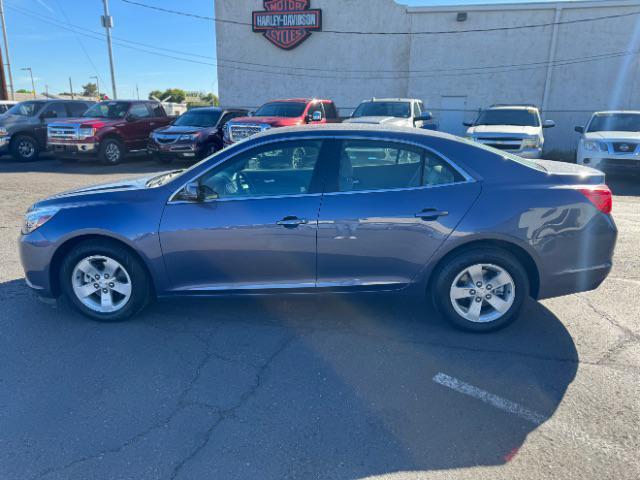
[{"x": 486, "y": 7}]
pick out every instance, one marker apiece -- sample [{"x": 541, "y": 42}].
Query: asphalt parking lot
[{"x": 314, "y": 388}]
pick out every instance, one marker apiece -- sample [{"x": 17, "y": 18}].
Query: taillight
[{"x": 600, "y": 196}]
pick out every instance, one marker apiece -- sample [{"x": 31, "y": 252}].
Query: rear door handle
[
  {"x": 430, "y": 214},
  {"x": 292, "y": 222}
]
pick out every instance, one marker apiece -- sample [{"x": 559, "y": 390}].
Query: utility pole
[
  {"x": 33, "y": 85},
  {"x": 107, "y": 23},
  {"x": 97, "y": 85},
  {"x": 71, "y": 88},
  {"x": 6, "y": 50},
  {"x": 46, "y": 91},
  {"x": 137, "y": 91}
]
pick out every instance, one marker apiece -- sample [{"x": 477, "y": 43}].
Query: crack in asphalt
[{"x": 181, "y": 404}]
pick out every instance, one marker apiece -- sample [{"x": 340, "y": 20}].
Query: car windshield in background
[
  {"x": 198, "y": 118},
  {"x": 281, "y": 109},
  {"x": 383, "y": 109},
  {"x": 615, "y": 122},
  {"x": 518, "y": 117},
  {"x": 113, "y": 110},
  {"x": 25, "y": 109}
]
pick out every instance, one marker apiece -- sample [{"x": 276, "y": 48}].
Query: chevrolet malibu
[{"x": 335, "y": 208}]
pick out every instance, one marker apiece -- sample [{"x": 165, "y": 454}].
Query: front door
[
  {"x": 137, "y": 126},
  {"x": 392, "y": 206},
  {"x": 255, "y": 230}
]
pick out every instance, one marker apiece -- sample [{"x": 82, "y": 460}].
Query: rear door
[
  {"x": 52, "y": 112},
  {"x": 388, "y": 209},
  {"x": 139, "y": 127}
]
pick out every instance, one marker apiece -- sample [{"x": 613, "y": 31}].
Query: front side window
[
  {"x": 376, "y": 165},
  {"x": 330, "y": 111},
  {"x": 383, "y": 109},
  {"x": 139, "y": 110},
  {"x": 519, "y": 117},
  {"x": 110, "y": 110},
  {"x": 615, "y": 122},
  {"x": 281, "y": 109},
  {"x": 285, "y": 168},
  {"x": 25, "y": 109}
]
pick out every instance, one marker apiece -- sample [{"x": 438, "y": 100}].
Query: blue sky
[{"x": 40, "y": 38}]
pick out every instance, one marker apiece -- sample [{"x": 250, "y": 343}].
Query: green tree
[
  {"x": 212, "y": 99},
  {"x": 155, "y": 93},
  {"x": 90, "y": 90},
  {"x": 23, "y": 90},
  {"x": 177, "y": 95}
]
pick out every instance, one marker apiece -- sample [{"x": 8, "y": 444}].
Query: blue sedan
[{"x": 339, "y": 208}]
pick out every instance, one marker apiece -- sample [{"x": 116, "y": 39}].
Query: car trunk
[{"x": 570, "y": 173}]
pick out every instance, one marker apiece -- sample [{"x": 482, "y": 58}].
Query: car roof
[
  {"x": 355, "y": 128},
  {"x": 513, "y": 107},
  {"x": 393, "y": 100},
  {"x": 609, "y": 112},
  {"x": 298, "y": 100}
]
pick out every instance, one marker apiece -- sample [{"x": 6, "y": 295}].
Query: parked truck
[
  {"x": 281, "y": 113},
  {"x": 108, "y": 131}
]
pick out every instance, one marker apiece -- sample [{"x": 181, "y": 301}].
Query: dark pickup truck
[
  {"x": 194, "y": 135},
  {"x": 108, "y": 130}
]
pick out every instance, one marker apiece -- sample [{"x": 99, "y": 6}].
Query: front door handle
[
  {"x": 292, "y": 222},
  {"x": 431, "y": 214}
]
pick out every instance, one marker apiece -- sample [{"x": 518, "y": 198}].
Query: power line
[
  {"x": 602, "y": 56},
  {"x": 430, "y": 32},
  {"x": 465, "y": 71}
]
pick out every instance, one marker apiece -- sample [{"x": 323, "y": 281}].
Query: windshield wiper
[{"x": 164, "y": 178}]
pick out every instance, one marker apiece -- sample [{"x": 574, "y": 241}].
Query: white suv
[
  {"x": 515, "y": 129},
  {"x": 611, "y": 141},
  {"x": 397, "y": 112}
]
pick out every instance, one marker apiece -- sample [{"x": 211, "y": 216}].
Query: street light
[
  {"x": 97, "y": 85},
  {"x": 33, "y": 85}
]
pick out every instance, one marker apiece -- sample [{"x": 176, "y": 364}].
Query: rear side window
[
  {"x": 376, "y": 165},
  {"x": 330, "y": 111},
  {"x": 156, "y": 110},
  {"x": 55, "y": 110},
  {"x": 139, "y": 110},
  {"x": 76, "y": 109}
]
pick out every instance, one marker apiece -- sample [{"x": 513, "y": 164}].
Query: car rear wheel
[
  {"x": 25, "y": 148},
  {"x": 111, "y": 151},
  {"x": 105, "y": 281},
  {"x": 481, "y": 289}
]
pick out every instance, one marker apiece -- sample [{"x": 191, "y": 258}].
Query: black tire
[
  {"x": 446, "y": 274},
  {"x": 108, "y": 149},
  {"x": 141, "y": 290},
  {"x": 25, "y": 148}
]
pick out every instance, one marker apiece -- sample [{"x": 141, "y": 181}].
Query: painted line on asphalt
[{"x": 489, "y": 398}]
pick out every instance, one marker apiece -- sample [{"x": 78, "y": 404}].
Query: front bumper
[
  {"x": 73, "y": 149},
  {"x": 4, "y": 144},
  {"x": 35, "y": 255},
  {"x": 174, "y": 150},
  {"x": 608, "y": 162}
]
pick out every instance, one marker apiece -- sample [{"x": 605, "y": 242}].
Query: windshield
[
  {"x": 518, "y": 117},
  {"x": 615, "y": 122},
  {"x": 198, "y": 118},
  {"x": 281, "y": 109},
  {"x": 383, "y": 109},
  {"x": 113, "y": 110},
  {"x": 25, "y": 109}
]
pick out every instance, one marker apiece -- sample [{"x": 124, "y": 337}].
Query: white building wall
[{"x": 348, "y": 68}]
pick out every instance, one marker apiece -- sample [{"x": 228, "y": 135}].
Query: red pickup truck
[
  {"x": 281, "y": 113},
  {"x": 108, "y": 130}
]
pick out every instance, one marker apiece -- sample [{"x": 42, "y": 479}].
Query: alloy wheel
[
  {"x": 26, "y": 149},
  {"x": 112, "y": 153},
  {"x": 482, "y": 293},
  {"x": 101, "y": 284}
]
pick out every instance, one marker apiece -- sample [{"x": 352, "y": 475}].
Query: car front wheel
[
  {"x": 481, "y": 289},
  {"x": 111, "y": 151},
  {"x": 25, "y": 148},
  {"x": 105, "y": 281}
]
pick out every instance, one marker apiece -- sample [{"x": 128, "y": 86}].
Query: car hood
[
  {"x": 271, "y": 121},
  {"x": 88, "y": 122},
  {"x": 380, "y": 120},
  {"x": 180, "y": 130},
  {"x": 498, "y": 129},
  {"x": 613, "y": 136}
]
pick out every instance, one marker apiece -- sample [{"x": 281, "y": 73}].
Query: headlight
[
  {"x": 190, "y": 137},
  {"x": 86, "y": 132},
  {"x": 531, "y": 142},
  {"x": 34, "y": 219},
  {"x": 593, "y": 146},
  {"x": 3, "y": 132}
]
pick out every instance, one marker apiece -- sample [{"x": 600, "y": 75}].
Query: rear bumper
[{"x": 575, "y": 281}]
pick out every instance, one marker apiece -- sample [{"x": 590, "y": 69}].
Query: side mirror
[
  {"x": 579, "y": 129},
  {"x": 315, "y": 117},
  {"x": 467, "y": 124},
  {"x": 195, "y": 192},
  {"x": 425, "y": 117},
  {"x": 548, "y": 124}
]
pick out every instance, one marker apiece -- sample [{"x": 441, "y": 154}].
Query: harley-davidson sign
[{"x": 287, "y": 23}]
